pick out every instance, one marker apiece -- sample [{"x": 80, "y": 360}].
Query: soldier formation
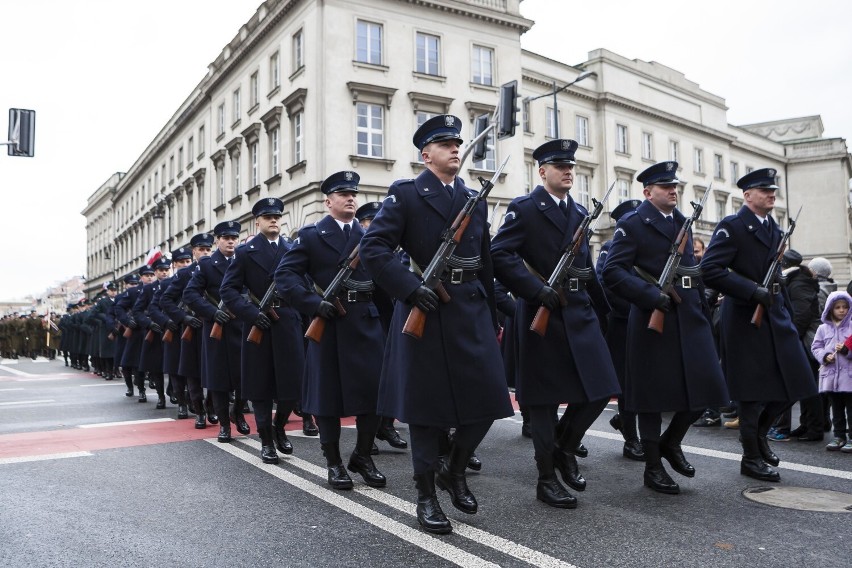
[{"x": 398, "y": 330}]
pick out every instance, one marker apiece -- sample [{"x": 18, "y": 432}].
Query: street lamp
[{"x": 554, "y": 92}]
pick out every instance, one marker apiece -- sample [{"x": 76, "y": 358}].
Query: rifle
[
  {"x": 669, "y": 272},
  {"x": 149, "y": 337},
  {"x": 557, "y": 278},
  {"x": 187, "y": 330},
  {"x": 216, "y": 330},
  {"x": 331, "y": 294},
  {"x": 757, "y": 317},
  {"x": 255, "y": 333},
  {"x": 114, "y": 332},
  {"x": 416, "y": 321},
  {"x": 128, "y": 332}
]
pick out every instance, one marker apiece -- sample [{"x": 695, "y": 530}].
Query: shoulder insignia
[
  {"x": 510, "y": 215},
  {"x": 725, "y": 231},
  {"x": 298, "y": 240},
  {"x": 619, "y": 230},
  {"x": 391, "y": 197}
]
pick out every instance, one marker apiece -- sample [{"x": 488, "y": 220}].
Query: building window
[
  {"x": 647, "y": 146},
  {"x": 189, "y": 210},
  {"x": 220, "y": 181},
  {"x": 427, "y": 54},
  {"x": 525, "y": 109},
  {"x": 235, "y": 174},
  {"x": 581, "y": 131},
  {"x": 298, "y": 50},
  {"x": 180, "y": 159},
  {"x": 253, "y": 181},
  {"x": 235, "y": 114},
  {"x": 368, "y": 48},
  {"x": 156, "y": 180},
  {"x": 163, "y": 175},
  {"x": 551, "y": 127},
  {"x": 201, "y": 140},
  {"x": 717, "y": 166},
  {"x": 749, "y": 169},
  {"x": 735, "y": 172},
  {"x": 190, "y": 149},
  {"x": 621, "y": 138},
  {"x": 623, "y": 187},
  {"x": 528, "y": 176},
  {"x": 221, "y": 119},
  {"x": 172, "y": 167},
  {"x": 298, "y": 137},
  {"x": 370, "y": 128},
  {"x": 274, "y": 70},
  {"x": 583, "y": 196},
  {"x": 483, "y": 65},
  {"x": 720, "y": 209},
  {"x": 698, "y": 157},
  {"x": 674, "y": 151},
  {"x": 200, "y": 200},
  {"x": 253, "y": 90},
  {"x": 490, "y": 161},
  {"x": 274, "y": 149}
]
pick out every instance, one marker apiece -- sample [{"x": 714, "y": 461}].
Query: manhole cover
[{"x": 801, "y": 498}]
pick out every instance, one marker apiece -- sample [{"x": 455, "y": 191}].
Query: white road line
[
  {"x": 23, "y": 459},
  {"x": 495, "y": 542},
  {"x": 16, "y": 372},
  {"x": 8, "y": 362},
  {"x": 109, "y": 384},
  {"x": 37, "y": 379},
  {"x": 125, "y": 423},
  {"x": 417, "y": 538},
  {"x": 14, "y": 389},
  {"x": 21, "y": 402},
  {"x": 805, "y": 468}
]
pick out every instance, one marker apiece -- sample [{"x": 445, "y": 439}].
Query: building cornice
[{"x": 477, "y": 10}]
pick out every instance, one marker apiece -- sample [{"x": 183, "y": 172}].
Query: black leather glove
[
  {"x": 221, "y": 317},
  {"x": 762, "y": 297},
  {"x": 424, "y": 298},
  {"x": 663, "y": 302},
  {"x": 327, "y": 310},
  {"x": 155, "y": 327},
  {"x": 131, "y": 323},
  {"x": 262, "y": 321},
  {"x": 192, "y": 321},
  {"x": 549, "y": 298},
  {"x": 172, "y": 325}
]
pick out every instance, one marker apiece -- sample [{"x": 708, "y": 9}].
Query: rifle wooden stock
[
  {"x": 187, "y": 333},
  {"x": 273, "y": 315},
  {"x": 168, "y": 336},
  {"x": 757, "y": 316},
  {"x": 658, "y": 318},
  {"x": 316, "y": 329},
  {"x": 540, "y": 321},
  {"x": 255, "y": 335},
  {"x": 128, "y": 333},
  {"x": 149, "y": 337},
  {"x": 216, "y": 331},
  {"x": 111, "y": 335},
  {"x": 415, "y": 323}
]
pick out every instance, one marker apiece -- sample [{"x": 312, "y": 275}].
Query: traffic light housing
[
  {"x": 21, "y": 132},
  {"x": 506, "y": 119},
  {"x": 481, "y": 147}
]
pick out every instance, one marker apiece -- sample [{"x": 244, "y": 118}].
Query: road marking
[
  {"x": 125, "y": 423},
  {"x": 8, "y": 362},
  {"x": 21, "y": 402},
  {"x": 805, "y": 468},
  {"x": 23, "y": 459},
  {"x": 16, "y": 372},
  {"x": 37, "y": 379},
  {"x": 479, "y": 536},
  {"x": 416, "y": 537},
  {"x": 14, "y": 389},
  {"x": 109, "y": 384}
]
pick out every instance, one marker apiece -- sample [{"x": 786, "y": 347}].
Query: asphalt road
[{"x": 91, "y": 478}]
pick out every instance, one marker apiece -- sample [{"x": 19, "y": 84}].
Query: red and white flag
[{"x": 152, "y": 256}]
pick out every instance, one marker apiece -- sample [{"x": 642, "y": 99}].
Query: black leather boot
[
  {"x": 361, "y": 463},
  {"x": 389, "y": 434},
  {"x": 429, "y": 513},
  {"x": 766, "y": 451},
  {"x": 752, "y": 463},
  {"x": 238, "y": 419},
  {"x": 451, "y": 478},
  {"x": 128, "y": 381},
  {"x": 200, "y": 419},
  {"x": 224, "y": 432},
  {"x": 267, "y": 450},
  {"x": 212, "y": 417},
  {"x": 674, "y": 455},
  {"x": 281, "y": 441},
  {"x": 548, "y": 490},
  {"x": 474, "y": 463},
  {"x": 337, "y": 476},
  {"x": 633, "y": 450},
  {"x": 656, "y": 476},
  {"x": 309, "y": 427},
  {"x": 566, "y": 463}
]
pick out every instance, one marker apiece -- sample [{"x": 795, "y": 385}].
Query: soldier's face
[
  {"x": 663, "y": 197},
  {"x": 558, "y": 178},
  {"x": 198, "y": 252},
  {"x": 342, "y": 204},
  {"x": 112, "y": 293},
  {"x": 161, "y": 273},
  {"x": 147, "y": 278},
  {"x": 226, "y": 244},
  {"x": 269, "y": 225},
  {"x": 760, "y": 200},
  {"x": 181, "y": 263},
  {"x": 443, "y": 156}
]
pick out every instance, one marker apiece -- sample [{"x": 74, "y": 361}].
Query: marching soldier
[
  {"x": 220, "y": 369},
  {"x": 272, "y": 368},
  {"x": 151, "y": 352},
  {"x": 676, "y": 370},
  {"x": 616, "y": 339},
  {"x": 766, "y": 365},
  {"x": 130, "y": 282},
  {"x": 570, "y": 363},
  {"x": 453, "y": 376},
  {"x": 342, "y": 370},
  {"x": 104, "y": 312}
]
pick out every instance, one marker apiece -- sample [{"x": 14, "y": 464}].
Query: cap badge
[
  {"x": 449, "y": 121},
  {"x": 375, "y": 205},
  {"x": 566, "y": 144},
  {"x": 348, "y": 176},
  {"x": 181, "y": 249},
  {"x": 271, "y": 201},
  {"x": 669, "y": 166},
  {"x": 770, "y": 172},
  {"x": 230, "y": 224}
]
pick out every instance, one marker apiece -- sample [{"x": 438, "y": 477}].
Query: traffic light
[
  {"x": 21, "y": 132},
  {"x": 506, "y": 122},
  {"x": 481, "y": 146}
]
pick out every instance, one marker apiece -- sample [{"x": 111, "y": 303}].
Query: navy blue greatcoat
[
  {"x": 273, "y": 369},
  {"x": 105, "y": 315},
  {"x": 124, "y": 313},
  {"x": 454, "y": 374},
  {"x": 677, "y": 370},
  {"x": 151, "y": 353},
  {"x": 766, "y": 363},
  {"x": 571, "y": 363},
  {"x": 220, "y": 369},
  {"x": 171, "y": 350},
  {"x": 190, "y": 351},
  {"x": 342, "y": 371},
  {"x": 616, "y": 328}
]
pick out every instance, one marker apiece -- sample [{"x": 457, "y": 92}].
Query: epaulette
[
  {"x": 583, "y": 211},
  {"x": 628, "y": 215}
]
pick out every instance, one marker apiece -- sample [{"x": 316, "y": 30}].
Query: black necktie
[
  {"x": 670, "y": 220},
  {"x": 563, "y": 207},
  {"x": 449, "y": 189},
  {"x": 346, "y": 231},
  {"x": 766, "y": 224},
  {"x": 274, "y": 244}
]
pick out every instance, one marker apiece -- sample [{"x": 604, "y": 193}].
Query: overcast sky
[{"x": 105, "y": 75}]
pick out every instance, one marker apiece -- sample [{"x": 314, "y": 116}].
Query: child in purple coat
[{"x": 831, "y": 347}]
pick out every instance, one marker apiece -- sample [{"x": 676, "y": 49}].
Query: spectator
[{"x": 823, "y": 270}]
